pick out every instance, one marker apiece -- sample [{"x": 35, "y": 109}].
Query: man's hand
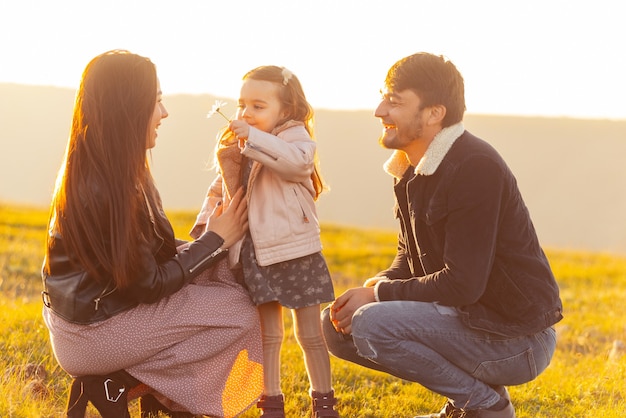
[{"x": 343, "y": 308}]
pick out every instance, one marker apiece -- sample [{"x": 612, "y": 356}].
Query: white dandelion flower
[{"x": 217, "y": 108}]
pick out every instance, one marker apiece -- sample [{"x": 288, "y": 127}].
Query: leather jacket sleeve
[
  {"x": 73, "y": 294},
  {"x": 160, "y": 280}
]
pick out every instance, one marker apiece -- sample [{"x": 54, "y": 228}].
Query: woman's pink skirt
[{"x": 198, "y": 349}]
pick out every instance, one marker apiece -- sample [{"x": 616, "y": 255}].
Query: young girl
[{"x": 269, "y": 151}]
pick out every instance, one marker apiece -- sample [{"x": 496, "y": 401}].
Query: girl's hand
[
  {"x": 241, "y": 130},
  {"x": 231, "y": 224}
]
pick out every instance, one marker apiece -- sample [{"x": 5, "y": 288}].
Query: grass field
[{"x": 584, "y": 379}]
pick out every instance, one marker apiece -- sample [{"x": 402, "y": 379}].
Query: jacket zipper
[
  {"x": 103, "y": 294},
  {"x": 305, "y": 218},
  {"x": 205, "y": 259},
  {"x": 409, "y": 224}
]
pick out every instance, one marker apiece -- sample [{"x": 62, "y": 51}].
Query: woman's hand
[{"x": 231, "y": 224}]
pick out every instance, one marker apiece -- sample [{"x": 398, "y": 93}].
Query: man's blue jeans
[{"x": 427, "y": 343}]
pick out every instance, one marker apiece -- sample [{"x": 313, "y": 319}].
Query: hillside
[
  {"x": 584, "y": 379},
  {"x": 569, "y": 170}
]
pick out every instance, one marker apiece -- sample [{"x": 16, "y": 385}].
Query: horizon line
[{"x": 357, "y": 109}]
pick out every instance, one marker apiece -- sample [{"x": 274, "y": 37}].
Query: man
[{"x": 469, "y": 303}]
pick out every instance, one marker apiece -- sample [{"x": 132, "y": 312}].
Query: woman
[{"x": 123, "y": 305}]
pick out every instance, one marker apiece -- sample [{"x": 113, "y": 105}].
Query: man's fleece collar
[{"x": 398, "y": 163}]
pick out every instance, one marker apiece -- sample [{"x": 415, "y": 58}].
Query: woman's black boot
[
  {"x": 108, "y": 394},
  {"x": 77, "y": 401}
]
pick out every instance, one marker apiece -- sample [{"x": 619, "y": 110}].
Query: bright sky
[{"x": 524, "y": 57}]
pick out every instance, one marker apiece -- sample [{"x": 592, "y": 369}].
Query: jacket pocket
[
  {"x": 303, "y": 212},
  {"x": 503, "y": 294}
]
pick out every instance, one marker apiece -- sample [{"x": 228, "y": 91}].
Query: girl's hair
[
  {"x": 99, "y": 206},
  {"x": 434, "y": 79},
  {"x": 293, "y": 103}
]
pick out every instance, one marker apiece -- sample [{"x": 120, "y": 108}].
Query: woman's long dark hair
[{"x": 98, "y": 207}]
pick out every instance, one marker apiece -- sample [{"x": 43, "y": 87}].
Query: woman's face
[{"x": 159, "y": 113}]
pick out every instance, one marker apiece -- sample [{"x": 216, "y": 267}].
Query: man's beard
[{"x": 399, "y": 139}]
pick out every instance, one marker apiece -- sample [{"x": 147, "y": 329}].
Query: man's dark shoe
[{"x": 449, "y": 411}]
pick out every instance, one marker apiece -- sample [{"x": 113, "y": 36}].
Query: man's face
[{"x": 402, "y": 117}]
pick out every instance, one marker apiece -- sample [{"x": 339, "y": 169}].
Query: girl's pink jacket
[{"x": 281, "y": 208}]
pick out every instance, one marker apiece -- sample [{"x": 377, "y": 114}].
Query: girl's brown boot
[
  {"x": 272, "y": 406},
  {"x": 323, "y": 405}
]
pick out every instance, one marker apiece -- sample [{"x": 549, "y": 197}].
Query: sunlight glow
[{"x": 521, "y": 58}]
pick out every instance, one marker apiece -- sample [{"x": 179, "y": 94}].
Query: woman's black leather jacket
[{"x": 73, "y": 294}]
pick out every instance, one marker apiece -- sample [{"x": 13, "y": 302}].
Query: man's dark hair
[{"x": 434, "y": 79}]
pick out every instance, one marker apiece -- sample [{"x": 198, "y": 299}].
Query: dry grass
[{"x": 582, "y": 381}]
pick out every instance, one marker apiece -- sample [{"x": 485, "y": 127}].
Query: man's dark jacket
[{"x": 467, "y": 241}]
